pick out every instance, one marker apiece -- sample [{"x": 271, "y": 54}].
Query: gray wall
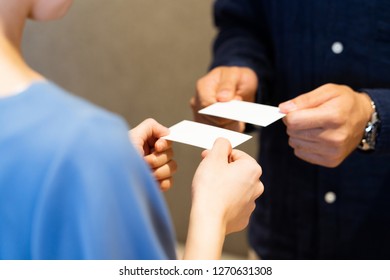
[{"x": 140, "y": 59}]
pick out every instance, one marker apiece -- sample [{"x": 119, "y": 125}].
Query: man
[{"x": 326, "y": 64}]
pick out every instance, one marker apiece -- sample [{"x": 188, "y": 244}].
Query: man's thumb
[{"x": 308, "y": 100}]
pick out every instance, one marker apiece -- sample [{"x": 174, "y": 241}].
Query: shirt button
[
  {"x": 337, "y": 47},
  {"x": 330, "y": 197}
]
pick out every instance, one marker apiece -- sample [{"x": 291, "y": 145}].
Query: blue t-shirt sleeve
[{"x": 100, "y": 201}]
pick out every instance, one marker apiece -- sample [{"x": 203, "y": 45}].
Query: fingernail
[{"x": 288, "y": 106}]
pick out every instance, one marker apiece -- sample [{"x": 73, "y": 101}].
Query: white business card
[
  {"x": 242, "y": 111},
  {"x": 202, "y": 135}
]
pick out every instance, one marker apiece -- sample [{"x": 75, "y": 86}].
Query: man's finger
[{"x": 228, "y": 82}]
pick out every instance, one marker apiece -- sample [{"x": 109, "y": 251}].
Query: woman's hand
[
  {"x": 157, "y": 152},
  {"x": 224, "y": 189}
]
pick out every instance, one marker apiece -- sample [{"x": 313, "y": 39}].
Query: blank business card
[
  {"x": 202, "y": 135},
  {"x": 242, "y": 111}
]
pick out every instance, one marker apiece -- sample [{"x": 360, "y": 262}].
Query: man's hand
[
  {"x": 220, "y": 85},
  {"x": 326, "y": 124}
]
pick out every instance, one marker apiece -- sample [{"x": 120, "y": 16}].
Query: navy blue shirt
[{"x": 308, "y": 211}]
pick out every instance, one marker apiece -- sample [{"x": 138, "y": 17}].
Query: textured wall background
[{"x": 140, "y": 59}]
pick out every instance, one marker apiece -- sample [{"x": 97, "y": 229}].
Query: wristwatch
[{"x": 370, "y": 132}]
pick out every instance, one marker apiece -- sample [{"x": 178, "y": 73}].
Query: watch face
[
  {"x": 371, "y": 135},
  {"x": 370, "y": 132}
]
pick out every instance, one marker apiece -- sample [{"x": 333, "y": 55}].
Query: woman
[{"x": 72, "y": 186}]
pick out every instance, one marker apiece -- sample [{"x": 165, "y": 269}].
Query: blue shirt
[
  {"x": 295, "y": 47},
  {"x": 71, "y": 184}
]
